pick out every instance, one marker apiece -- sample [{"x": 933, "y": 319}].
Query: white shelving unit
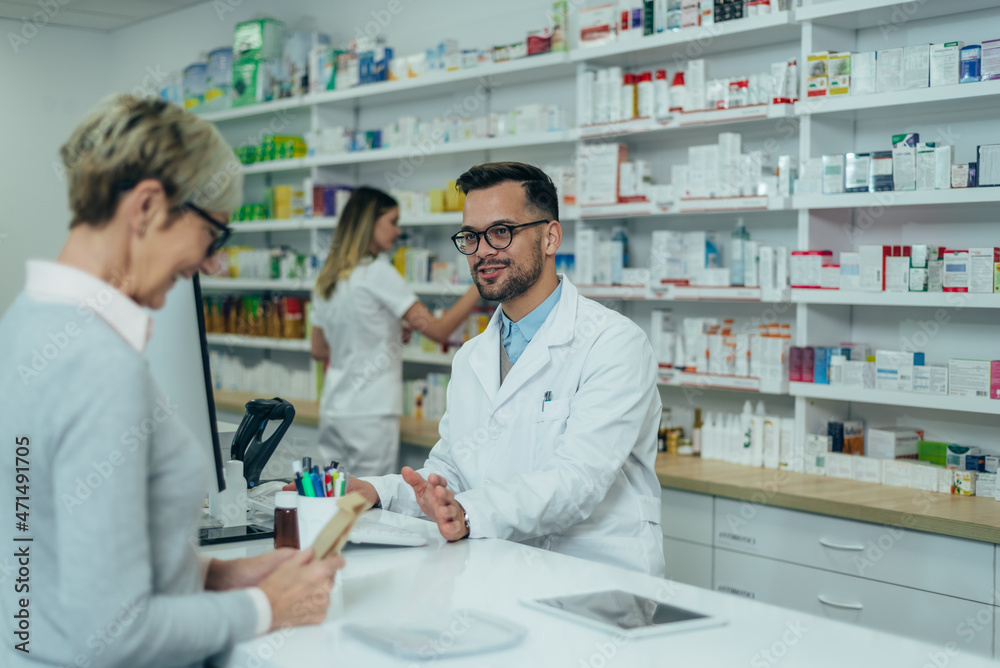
[
  {"x": 417, "y": 356},
  {"x": 209, "y": 283},
  {"x": 258, "y": 342},
  {"x": 827, "y": 125},
  {"x": 956, "y": 300},
  {"x": 888, "y": 398}
]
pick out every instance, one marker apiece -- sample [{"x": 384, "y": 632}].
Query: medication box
[
  {"x": 871, "y": 267},
  {"x": 944, "y": 63},
  {"x": 892, "y": 443},
  {"x": 955, "y": 455},
  {"x": 956, "y": 271},
  {"x": 969, "y": 378},
  {"x": 817, "y": 78},
  {"x": 982, "y": 262},
  {"x": 863, "y": 73},
  {"x": 894, "y": 369},
  {"x": 995, "y": 379},
  {"x": 964, "y": 483},
  {"x": 889, "y": 70},
  {"x": 933, "y": 452},
  {"x": 930, "y": 379}
]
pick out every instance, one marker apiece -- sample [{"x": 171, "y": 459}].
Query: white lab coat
[{"x": 573, "y": 474}]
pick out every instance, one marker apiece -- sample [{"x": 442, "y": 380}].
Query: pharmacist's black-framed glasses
[
  {"x": 223, "y": 231},
  {"x": 498, "y": 236}
]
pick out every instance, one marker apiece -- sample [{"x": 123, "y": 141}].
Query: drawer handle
[
  {"x": 842, "y": 606},
  {"x": 835, "y": 546}
]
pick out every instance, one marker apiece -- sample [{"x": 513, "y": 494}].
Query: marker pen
[
  {"x": 297, "y": 471},
  {"x": 317, "y": 484},
  {"x": 307, "y": 485}
]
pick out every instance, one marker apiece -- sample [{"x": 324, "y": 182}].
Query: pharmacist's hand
[
  {"x": 438, "y": 503},
  {"x": 226, "y": 574},
  {"x": 290, "y": 487},
  {"x": 407, "y": 332},
  {"x": 364, "y": 488},
  {"x": 299, "y": 589}
]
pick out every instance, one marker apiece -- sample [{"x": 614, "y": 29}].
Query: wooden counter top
[
  {"x": 422, "y": 433},
  {"x": 976, "y": 518}
]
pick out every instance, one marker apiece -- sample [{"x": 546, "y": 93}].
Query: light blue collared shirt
[{"x": 516, "y": 335}]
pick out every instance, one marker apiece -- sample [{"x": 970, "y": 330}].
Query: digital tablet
[{"x": 624, "y": 613}]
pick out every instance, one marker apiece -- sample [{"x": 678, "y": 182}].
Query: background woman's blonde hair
[
  {"x": 352, "y": 239},
  {"x": 126, "y": 139}
]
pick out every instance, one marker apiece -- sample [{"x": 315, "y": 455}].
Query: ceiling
[{"x": 92, "y": 14}]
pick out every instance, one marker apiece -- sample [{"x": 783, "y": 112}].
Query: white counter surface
[{"x": 405, "y": 585}]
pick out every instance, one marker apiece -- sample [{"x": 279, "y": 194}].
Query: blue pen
[
  {"x": 548, "y": 398},
  {"x": 316, "y": 483}
]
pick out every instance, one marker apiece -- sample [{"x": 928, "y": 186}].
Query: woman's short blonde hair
[{"x": 127, "y": 139}]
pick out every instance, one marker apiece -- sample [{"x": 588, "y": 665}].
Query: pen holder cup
[{"x": 313, "y": 514}]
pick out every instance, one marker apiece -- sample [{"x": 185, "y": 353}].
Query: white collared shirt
[{"x": 56, "y": 282}]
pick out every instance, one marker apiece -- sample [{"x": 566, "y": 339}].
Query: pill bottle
[{"x": 286, "y": 521}]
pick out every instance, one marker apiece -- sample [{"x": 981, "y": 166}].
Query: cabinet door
[
  {"x": 921, "y": 615},
  {"x": 941, "y": 564},
  {"x": 687, "y": 516},
  {"x": 689, "y": 563}
]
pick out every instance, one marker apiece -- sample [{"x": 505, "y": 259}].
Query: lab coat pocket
[
  {"x": 556, "y": 409},
  {"x": 549, "y": 424}
]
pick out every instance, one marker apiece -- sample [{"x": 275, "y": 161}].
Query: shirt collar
[
  {"x": 531, "y": 323},
  {"x": 55, "y": 282}
]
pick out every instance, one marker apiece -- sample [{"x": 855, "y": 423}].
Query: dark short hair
[{"x": 539, "y": 191}]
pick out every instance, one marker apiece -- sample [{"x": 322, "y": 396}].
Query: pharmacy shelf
[
  {"x": 737, "y": 35},
  {"x": 451, "y": 218},
  {"x": 892, "y": 15},
  {"x": 244, "y": 284},
  {"x": 954, "y": 196},
  {"x": 710, "y": 381},
  {"x": 405, "y": 153},
  {"x": 981, "y": 94},
  {"x": 686, "y": 206},
  {"x": 274, "y": 225},
  {"x": 489, "y": 75},
  {"x": 259, "y": 342},
  {"x": 684, "y": 120},
  {"x": 616, "y": 292},
  {"x": 954, "y": 300},
  {"x": 523, "y": 70},
  {"x": 417, "y": 431},
  {"x": 889, "y": 398},
  {"x": 440, "y": 289},
  {"x": 436, "y": 358},
  {"x": 306, "y": 410},
  {"x": 324, "y": 223}
]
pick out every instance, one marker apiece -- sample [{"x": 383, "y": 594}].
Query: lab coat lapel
[
  {"x": 557, "y": 329},
  {"x": 485, "y": 360}
]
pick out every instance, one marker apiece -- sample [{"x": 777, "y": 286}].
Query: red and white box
[
  {"x": 995, "y": 379},
  {"x": 829, "y": 277},
  {"x": 871, "y": 267},
  {"x": 955, "y": 277},
  {"x": 981, "y": 264}
]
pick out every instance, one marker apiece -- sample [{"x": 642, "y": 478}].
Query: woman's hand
[
  {"x": 225, "y": 574},
  {"x": 299, "y": 589}
]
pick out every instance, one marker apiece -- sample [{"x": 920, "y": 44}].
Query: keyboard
[
  {"x": 366, "y": 531},
  {"x": 369, "y": 531}
]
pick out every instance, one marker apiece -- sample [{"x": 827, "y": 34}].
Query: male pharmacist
[{"x": 549, "y": 436}]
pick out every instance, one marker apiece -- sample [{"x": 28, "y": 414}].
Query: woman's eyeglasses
[{"x": 223, "y": 230}]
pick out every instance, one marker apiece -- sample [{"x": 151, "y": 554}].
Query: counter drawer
[
  {"x": 940, "y": 564},
  {"x": 921, "y": 615},
  {"x": 687, "y": 516},
  {"x": 689, "y": 563}
]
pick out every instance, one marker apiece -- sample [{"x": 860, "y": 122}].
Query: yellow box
[{"x": 436, "y": 201}]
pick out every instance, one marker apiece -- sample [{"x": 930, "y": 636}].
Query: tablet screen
[{"x": 621, "y": 609}]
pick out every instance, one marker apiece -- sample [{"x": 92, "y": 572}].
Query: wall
[{"x": 49, "y": 83}]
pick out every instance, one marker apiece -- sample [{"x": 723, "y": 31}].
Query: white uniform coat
[{"x": 573, "y": 474}]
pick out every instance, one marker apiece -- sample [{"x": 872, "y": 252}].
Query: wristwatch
[{"x": 468, "y": 531}]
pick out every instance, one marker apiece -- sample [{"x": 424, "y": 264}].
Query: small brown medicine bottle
[{"x": 286, "y": 520}]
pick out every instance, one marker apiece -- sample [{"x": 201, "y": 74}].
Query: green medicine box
[
  {"x": 933, "y": 452},
  {"x": 262, "y": 39}
]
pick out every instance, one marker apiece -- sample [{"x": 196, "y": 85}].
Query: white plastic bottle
[
  {"x": 707, "y": 436},
  {"x": 737, "y": 253},
  {"x": 627, "y": 98},
  {"x": 735, "y": 440},
  {"x": 745, "y": 418},
  {"x": 757, "y": 436},
  {"x": 661, "y": 95},
  {"x": 645, "y": 95}
]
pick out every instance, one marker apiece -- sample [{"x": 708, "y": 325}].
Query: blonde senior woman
[{"x": 109, "y": 575}]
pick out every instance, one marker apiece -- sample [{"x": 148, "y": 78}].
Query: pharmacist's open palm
[{"x": 437, "y": 502}]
